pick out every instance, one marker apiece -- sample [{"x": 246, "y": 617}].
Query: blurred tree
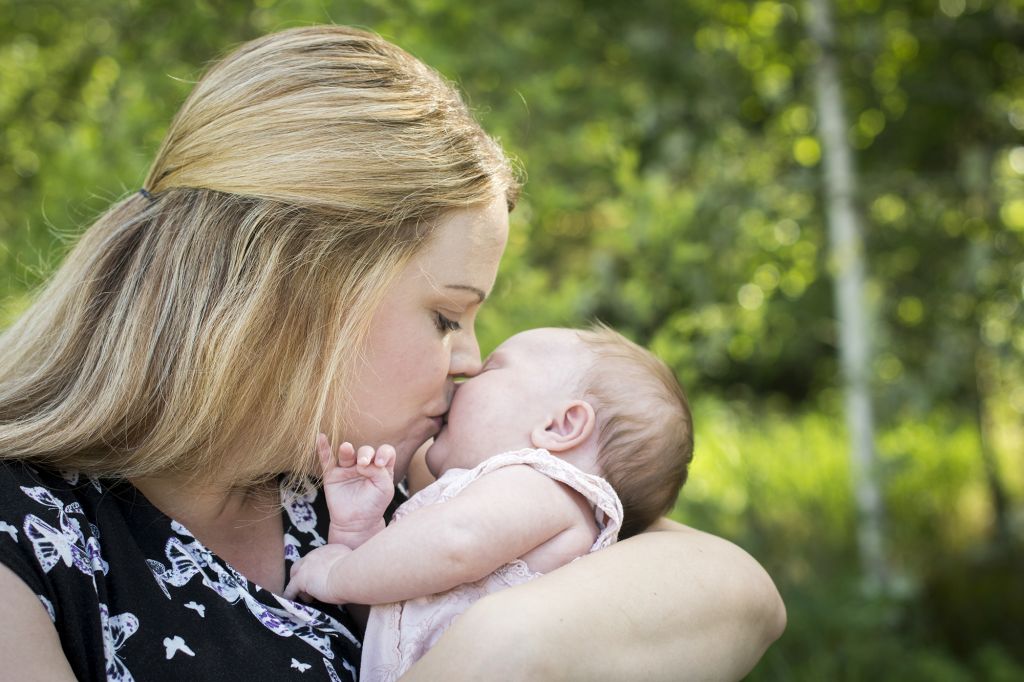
[{"x": 847, "y": 258}]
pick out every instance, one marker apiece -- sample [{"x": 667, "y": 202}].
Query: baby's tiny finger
[
  {"x": 365, "y": 455},
  {"x": 346, "y": 454},
  {"x": 385, "y": 455}
]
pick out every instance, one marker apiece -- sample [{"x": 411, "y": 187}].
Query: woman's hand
[
  {"x": 358, "y": 487},
  {"x": 311, "y": 575}
]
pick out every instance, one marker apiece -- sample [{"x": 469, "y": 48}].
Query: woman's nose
[{"x": 465, "y": 357}]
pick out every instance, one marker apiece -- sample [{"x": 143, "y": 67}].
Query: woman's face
[{"x": 422, "y": 336}]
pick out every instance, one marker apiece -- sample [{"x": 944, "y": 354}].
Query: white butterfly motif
[
  {"x": 174, "y": 645},
  {"x": 350, "y": 668},
  {"x": 13, "y": 530},
  {"x": 331, "y": 672},
  {"x": 301, "y": 667},
  {"x": 54, "y": 546},
  {"x": 299, "y": 505},
  {"x": 67, "y": 524},
  {"x": 68, "y": 545},
  {"x": 292, "y": 548},
  {"x": 316, "y": 620},
  {"x": 116, "y": 630},
  {"x": 182, "y": 569},
  {"x": 181, "y": 529},
  {"x": 198, "y": 608},
  {"x": 73, "y": 477}
]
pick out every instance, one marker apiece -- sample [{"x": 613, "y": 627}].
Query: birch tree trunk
[{"x": 846, "y": 253}]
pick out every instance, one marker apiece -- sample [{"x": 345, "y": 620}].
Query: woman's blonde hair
[{"x": 220, "y": 313}]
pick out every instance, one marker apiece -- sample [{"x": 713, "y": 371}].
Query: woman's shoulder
[
  {"x": 43, "y": 525},
  {"x": 48, "y": 518}
]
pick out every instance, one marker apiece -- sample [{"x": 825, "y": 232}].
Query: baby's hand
[
  {"x": 311, "y": 575},
  {"x": 359, "y": 486}
]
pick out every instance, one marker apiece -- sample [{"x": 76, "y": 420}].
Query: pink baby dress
[{"x": 398, "y": 634}]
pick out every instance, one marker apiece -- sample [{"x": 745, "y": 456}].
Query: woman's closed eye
[{"x": 444, "y": 324}]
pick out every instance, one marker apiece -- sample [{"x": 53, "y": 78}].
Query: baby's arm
[
  {"x": 498, "y": 518},
  {"x": 358, "y": 487}
]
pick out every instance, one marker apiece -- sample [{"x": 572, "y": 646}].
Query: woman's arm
[
  {"x": 29, "y": 647},
  {"x": 670, "y": 604}
]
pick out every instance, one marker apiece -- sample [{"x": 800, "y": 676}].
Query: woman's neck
[
  {"x": 242, "y": 527},
  {"x": 216, "y": 513}
]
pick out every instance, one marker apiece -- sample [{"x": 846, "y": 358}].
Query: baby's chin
[
  {"x": 434, "y": 459},
  {"x": 440, "y": 459},
  {"x": 462, "y": 450}
]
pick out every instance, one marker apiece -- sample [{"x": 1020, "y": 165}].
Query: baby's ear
[{"x": 570, "y": 427}]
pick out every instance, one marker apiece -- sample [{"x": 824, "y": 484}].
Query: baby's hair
[{"x": 645, "y": 427}]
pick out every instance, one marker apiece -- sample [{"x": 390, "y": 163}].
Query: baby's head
[
  {"x": 593, "y": 397},
  {"x": 645, "y": 430}
]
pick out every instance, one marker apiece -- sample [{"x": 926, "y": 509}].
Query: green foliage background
[{"x": 674, "y": 192}]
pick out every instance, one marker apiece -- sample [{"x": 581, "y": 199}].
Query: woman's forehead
[
  {"x": 465, "y": 249},
  {"x": 478, "y": 229}
]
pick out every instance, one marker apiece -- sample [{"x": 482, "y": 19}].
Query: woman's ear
[{"x": 570, "y": 427}]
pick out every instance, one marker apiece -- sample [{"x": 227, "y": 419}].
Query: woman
[{"x": 314, "y": 240}]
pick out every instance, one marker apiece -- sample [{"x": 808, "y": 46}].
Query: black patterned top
[{"x": 134, "y": 596}]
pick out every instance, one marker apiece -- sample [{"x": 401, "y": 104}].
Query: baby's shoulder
[
  {"x": 537, "y": 489},
  {"x": 577, "y": 539}
]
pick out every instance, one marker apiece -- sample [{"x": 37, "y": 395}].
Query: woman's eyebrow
[{"x": 465, "y": 287}]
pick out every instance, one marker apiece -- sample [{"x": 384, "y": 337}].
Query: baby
[{"x": 582, "y": 419}]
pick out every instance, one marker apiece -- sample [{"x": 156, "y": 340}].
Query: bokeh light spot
[{"x": 806, "y": 151}]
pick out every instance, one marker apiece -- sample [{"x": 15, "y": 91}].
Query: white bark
[{"x": 846, "y": 251}]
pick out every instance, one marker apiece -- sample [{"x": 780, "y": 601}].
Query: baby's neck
[{"x": 584, "y": 459}]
